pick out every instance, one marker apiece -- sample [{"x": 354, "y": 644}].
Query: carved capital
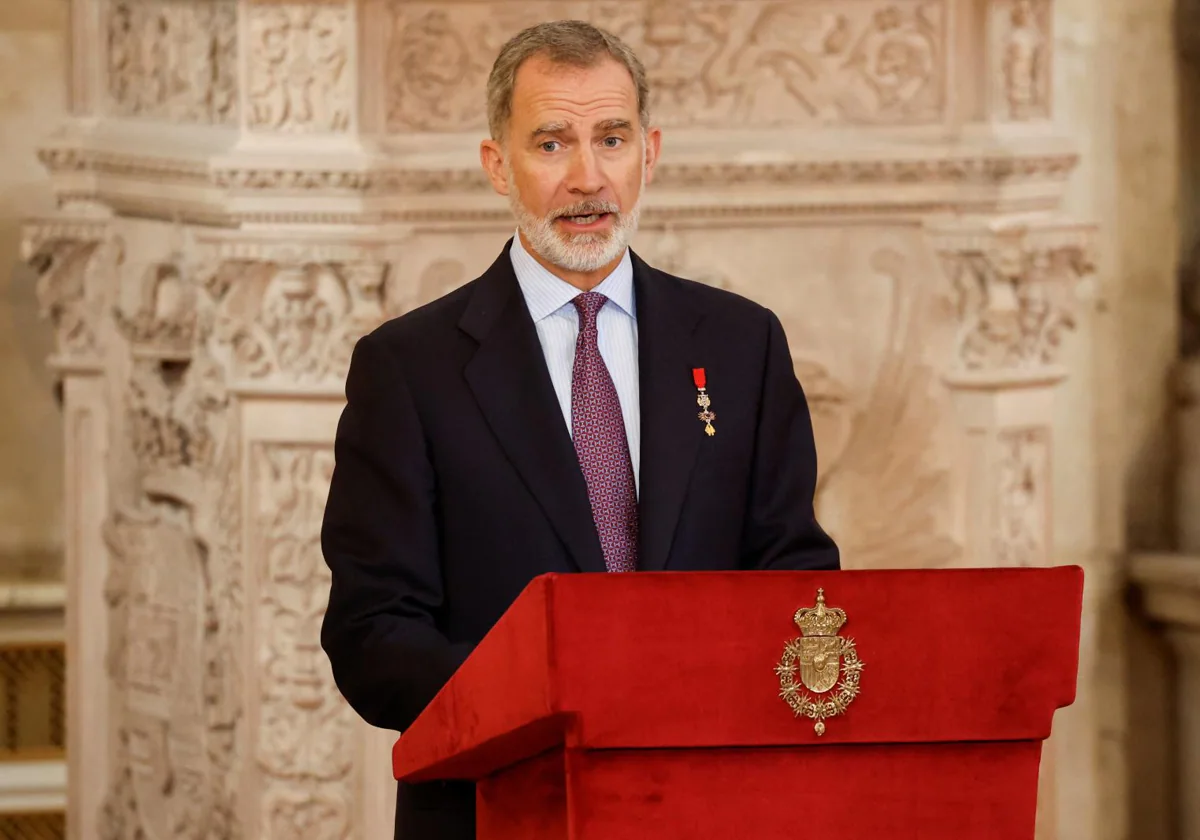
[
  {"x": 1015, "y": 292},
  {"x": 165, "y": 322},
  {"x": 75, "y": 262},
  {"x": 1021, "y": 47},
  {"x": 289, "y": 317},
  {"x": 299, "y": 67}
]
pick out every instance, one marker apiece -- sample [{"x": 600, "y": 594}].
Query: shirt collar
[{"x": 546, "y": 293}]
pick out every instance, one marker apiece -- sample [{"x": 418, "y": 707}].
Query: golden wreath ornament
[{"x": 821, "y": 657}]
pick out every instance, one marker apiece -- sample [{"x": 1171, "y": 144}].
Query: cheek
[
  {"x": 537, "y": 189},
  {"x": 631, "y": 181}
]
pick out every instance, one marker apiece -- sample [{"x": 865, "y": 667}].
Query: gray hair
[{"x": 574, "y": 43}]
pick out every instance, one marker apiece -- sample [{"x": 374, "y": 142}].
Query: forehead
[{"x": 544, "y": 90}]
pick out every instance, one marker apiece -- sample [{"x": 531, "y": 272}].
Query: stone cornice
[{"x": 214, "y": 182}]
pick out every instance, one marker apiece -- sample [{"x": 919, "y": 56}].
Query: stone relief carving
[
  {"x": 75, "y": 269},
  {"x": 1021, "y": 41},
  {"x": 299, "y": 67},
  {"x": 439, "y": 278},
  {"x": 670, "y": 255},
  {"x": 305, "y": 746},
  {"x": 711, "y": 64},
  {"x": 174, "y": 61},
  {"x": 886, "y": 469},
  {"x": 174, "y": 584},
  {"x": 1021, "y": 527},
  {"x": 172, "y": 415},
  {"x": 166, "y": 320},
  {"x": 296, "y": 321},
  {"x": 164, "y": 784},
  {"x": 1015, "y": 294},
  {"x": 885, "y": 482}
]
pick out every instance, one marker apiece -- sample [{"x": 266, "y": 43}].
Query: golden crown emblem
[
  {"x": 826, "y": 663},
  {"x": 820, "y": 620}
]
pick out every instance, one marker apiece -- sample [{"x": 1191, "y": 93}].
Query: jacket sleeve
[
  {"x": 781, "y": 529},
  {"x": 379, "y": 538}
]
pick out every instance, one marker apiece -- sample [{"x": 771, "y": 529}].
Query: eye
[
  {"x": 545, "y": 146},
  {"x": 612, "y": 142}
]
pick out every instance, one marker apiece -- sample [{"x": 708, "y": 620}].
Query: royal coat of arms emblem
[{"x": 825, "y": 661}]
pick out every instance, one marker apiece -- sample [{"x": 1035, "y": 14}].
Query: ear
[
  {"x": 491, "y": 156},
  {"x": 653, "y": 148}
]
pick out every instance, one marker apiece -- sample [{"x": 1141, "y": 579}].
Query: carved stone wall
[{"x": 250, "y": 185}]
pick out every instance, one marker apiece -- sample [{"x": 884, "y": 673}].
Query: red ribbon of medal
[{"x": 704, "y": 401}]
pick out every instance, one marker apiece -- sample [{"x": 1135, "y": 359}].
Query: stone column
[
  {"x": 78, "y": 262},
  {"x": 1170, "y": 593},
  {"x": 1015, "y": 297}
]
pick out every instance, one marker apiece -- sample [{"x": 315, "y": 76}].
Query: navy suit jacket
[{"x": 456, "y": 483}]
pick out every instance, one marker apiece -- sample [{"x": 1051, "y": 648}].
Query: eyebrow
[
  {"x": 560, "y": 126},
  {"x": 549, "y": 128},
  {"x": 615, "y": 125}
]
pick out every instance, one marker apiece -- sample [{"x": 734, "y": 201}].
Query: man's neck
[{"x": 585, "y": 281}]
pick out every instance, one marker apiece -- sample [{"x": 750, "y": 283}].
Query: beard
[{"x": 581, "y": 252}]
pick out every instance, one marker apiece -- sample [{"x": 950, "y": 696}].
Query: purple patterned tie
[{"x": 601, "y": 444}]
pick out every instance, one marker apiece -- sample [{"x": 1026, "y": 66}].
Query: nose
[{"x": 585, "y": 175}]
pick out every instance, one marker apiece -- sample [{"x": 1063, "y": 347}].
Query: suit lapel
[
  {"x": 512, "y": 386},
  {"x": 671, "y": 434}
]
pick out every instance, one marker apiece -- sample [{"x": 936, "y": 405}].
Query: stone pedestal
[{"x": 250, "y": 185}]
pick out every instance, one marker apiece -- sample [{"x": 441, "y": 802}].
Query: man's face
[{"x": 574, "y": 162}]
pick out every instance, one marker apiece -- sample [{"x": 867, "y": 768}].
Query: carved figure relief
[
  {"x": 306, "y": 746},
  {"x": 752, "y": 63},
  {"x": 299, "y": 68},
  {"x": 173, "y": 61},
  {"x": 164, "y": 785},
  {"x": 1023, "y": 46}
]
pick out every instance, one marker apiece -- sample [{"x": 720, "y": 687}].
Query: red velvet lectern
[{"x": 663, "y": 706}]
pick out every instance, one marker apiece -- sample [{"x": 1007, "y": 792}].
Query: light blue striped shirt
[{"x": 549, "y": 299}]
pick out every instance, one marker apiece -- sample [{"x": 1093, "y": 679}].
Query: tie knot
[{"x": 589, "y": 304}]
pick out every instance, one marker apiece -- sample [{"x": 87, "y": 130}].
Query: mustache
[{"x": 586, "y": 208}]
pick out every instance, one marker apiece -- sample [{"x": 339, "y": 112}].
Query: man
[{"x": 546, "y": 417}]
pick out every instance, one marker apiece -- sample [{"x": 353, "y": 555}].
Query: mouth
[{"x": 587, "y": 222}]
